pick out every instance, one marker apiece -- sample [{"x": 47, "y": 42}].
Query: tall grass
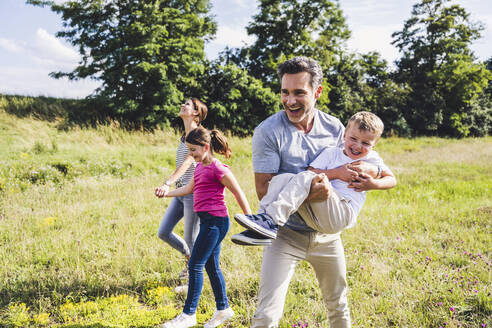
[{"x": 78, "y": 244}]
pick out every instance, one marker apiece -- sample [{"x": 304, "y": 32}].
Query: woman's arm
[
  {"x": 162, "y": 190},
  {"x": 183, "y": 191},
  {"x": 181, "y": 169},
  {"x": 229, "y": 181}
]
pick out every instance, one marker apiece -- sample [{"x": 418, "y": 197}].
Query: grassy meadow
[{"x": 79, "y": 245}]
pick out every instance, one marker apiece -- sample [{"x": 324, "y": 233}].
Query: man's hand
[
  {"x": 320, "y": 188},
  {"x": 364, "y": 167}
]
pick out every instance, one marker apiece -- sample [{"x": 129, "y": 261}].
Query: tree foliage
[
  {"x": 439, "y": 68},
  {"x": 147, "y": 54},
  {"x": 237, "y": 101},
  {"x": 288, "y": 28}
]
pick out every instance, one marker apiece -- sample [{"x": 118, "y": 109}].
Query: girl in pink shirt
[{"x": 208, "y": 185}]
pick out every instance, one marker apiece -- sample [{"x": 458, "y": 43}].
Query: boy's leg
[
  {"x": 330, "y": 216},
  {"x": 262, "y": 224},
  {"x": 286, "y": 193}
]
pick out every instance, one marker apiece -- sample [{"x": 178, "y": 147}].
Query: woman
[{"x": 192, "y": 112}]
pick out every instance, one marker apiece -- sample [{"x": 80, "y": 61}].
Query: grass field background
[{"x": 78, "y": 243}]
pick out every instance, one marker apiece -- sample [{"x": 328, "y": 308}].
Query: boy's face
[{"x": 358, "y": 142}]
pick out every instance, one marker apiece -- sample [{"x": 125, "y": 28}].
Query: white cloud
[
  {"x": 241, "y": 3},
  {"x": 36, "y": 82},
  {"x": 374, "y": 38},
  {"x": 46, "y": 51},
  {"x": 50, "y": 49},
  {"x": 10, "y": 46},
  {"x": 232, "y": 36}
]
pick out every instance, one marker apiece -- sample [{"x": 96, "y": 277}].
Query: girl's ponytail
[
  {"x": 219, "y": 143},
  {"x": 215, "y": 138}
]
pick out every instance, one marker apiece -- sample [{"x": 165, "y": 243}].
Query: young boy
[{"x": 287, "y": 192}]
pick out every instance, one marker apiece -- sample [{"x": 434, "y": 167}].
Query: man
[{"x": 287, "y": 142}]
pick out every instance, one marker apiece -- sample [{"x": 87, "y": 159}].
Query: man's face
[{"x": 298, "y": 97}]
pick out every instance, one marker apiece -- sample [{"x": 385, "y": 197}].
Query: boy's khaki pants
[{"x": 287, "y": 193}]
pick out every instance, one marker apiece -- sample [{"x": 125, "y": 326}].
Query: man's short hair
[
  {"x": 302, "y": 64},
  {"x": 367, "y": 121}
]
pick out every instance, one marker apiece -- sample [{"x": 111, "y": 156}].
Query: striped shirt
[{"x": 181, "y": 154}]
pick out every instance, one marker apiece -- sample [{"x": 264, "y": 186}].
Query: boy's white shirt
[{"x": 333, "y": 157}]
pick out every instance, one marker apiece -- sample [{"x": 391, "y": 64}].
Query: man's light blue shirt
[{"x": 279, "y": 147}]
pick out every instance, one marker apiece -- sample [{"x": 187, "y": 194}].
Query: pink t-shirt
[{"x": 208, "y": 192}]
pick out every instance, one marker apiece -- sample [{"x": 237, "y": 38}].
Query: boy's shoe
[
  {"x": 181, "y": 321},
  {"x": 219, "y": 318},
  {"x": 261, "y": 223},
  {"x": 250, "y": 238}
]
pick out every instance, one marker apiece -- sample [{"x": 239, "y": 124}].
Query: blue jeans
[
  {"x": 180, "y": 207},
  {"x": 206, "y": 254}
]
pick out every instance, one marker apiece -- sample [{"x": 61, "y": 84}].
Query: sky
[{"x": 29, "y": 50}]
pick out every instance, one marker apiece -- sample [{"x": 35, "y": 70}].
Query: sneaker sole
[
  {"x": 248, "y": 224},
  {"x": 245, "y": 241}
]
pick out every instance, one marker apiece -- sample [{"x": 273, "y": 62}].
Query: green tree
[
  {"x": 439, "y": 68},
  {"x": 147, "y": 54},
  {"x": 364, "y": 83},
  {"x": 479, "y": 117},
  {"x": 287, "y": 28},
  {"x": 317, "y": 29},
  {"x": 237, "y": 101}
]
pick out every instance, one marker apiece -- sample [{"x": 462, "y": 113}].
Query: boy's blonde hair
[{"x": 367, "y": 122}]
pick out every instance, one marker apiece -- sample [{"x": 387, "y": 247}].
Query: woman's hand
[{"x": 161, "y": 191}]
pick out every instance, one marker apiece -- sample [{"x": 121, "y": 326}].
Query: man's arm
[
  {"x": 366, "y": 182},
  {"x": 348, "y": 172},
  {"x": 261, "y": 183},
  {"x": 343, "y": 173},
  {"x": 365, "y": 167}
]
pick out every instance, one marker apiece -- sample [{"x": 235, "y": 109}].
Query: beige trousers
[
  {"x": 287, "y": 193},
  {"x": 325, "y": 253}
]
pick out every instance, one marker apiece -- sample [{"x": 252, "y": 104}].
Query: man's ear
[{"x": 318, "y": 91}]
